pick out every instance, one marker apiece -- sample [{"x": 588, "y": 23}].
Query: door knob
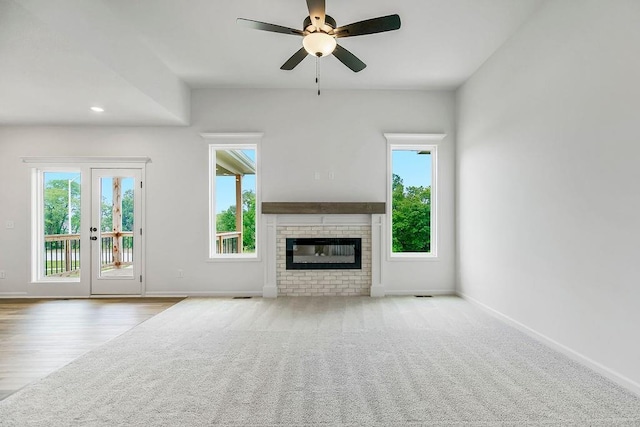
[{"x": 93, "y": 238}]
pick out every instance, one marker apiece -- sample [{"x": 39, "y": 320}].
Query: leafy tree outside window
[
  {"x": 412, "y": 219},
  {"x": 57, "y": 194}
]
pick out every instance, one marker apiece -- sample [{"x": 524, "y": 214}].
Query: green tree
[
  {"x": 249, "y": 221},
  {"x": 226, "y": 221},
  {"x": 127, "y": 210},
  {"x": 411, "y": 217},
  {"x": 56, "y": 207},
  {"x": 127, "y": 213},
  {"x": 106, "y": 214}
]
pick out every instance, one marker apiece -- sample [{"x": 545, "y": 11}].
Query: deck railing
[
  {"x": 126, "y": 251},
  {"x": 62, "y": 252},
  {"x": 229, "y": 242}
]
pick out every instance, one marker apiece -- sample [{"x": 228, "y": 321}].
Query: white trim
[
  {"x": 24, "y": 295},
  {"x": 269, "y": 292},
  {"x": 323, "y": 219},
  {"x": 270, "y": 288},
  {"x": 420, "y": 292},
  {"x": 398, "y": 141},
  {"x": 415, "y": 137},
  {"x": 612, "y": 375},
  {"x": 234, "y": 137},
  {"x": 411, "y": 256},
  {"x": 98, "y": 296},
  {"x": 15, "y": 295},
  {"x": 36, "y": 256},
  {"x": 377, "y": 254},
  {"x": 248, "y": 257},
  {"x": 85, "y": 159},
  {"x": 377, "y": 292},
  {"x": 182, "y": 294},
  {"x": 51, "y": 297}
]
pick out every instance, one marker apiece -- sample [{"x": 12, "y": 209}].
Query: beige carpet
[{"x": 322, "y": 361}]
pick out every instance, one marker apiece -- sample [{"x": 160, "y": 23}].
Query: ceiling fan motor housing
[{"x": 329, "y": 24}]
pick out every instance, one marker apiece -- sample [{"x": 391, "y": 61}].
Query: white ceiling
[{"x": 139, "y": 59}]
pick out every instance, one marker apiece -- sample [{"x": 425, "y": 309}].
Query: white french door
[{"x": 116, "y": 231}]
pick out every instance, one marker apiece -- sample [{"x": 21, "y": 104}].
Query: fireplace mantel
[{"x": 338, "y": 208}]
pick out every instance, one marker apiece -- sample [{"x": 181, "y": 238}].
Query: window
[
  {"x": 234, "y": 200},
  {"x": 57, "y": 225},
  {"x": 412, "y": 197}
]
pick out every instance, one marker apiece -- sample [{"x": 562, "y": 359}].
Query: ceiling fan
[{"x": 320, "y": 33}]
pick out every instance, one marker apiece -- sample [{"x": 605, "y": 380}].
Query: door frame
[{"x": 78, "y": 288}]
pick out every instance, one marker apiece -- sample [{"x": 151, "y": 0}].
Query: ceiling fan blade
[
  {"x": 370, "y": 26},
  {"x": 257, "y": 25},
  {"x": 349, "y": 59},
  {"x": 316, "y": 12},
  {"x": 294, "y": 60}
]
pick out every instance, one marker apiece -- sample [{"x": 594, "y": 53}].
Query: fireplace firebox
[{"x": 324, "y": 253}]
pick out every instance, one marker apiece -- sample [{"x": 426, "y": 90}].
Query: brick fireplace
[
  {"x": 327, "y": 282},
  {"x": 327, "y": 221}
]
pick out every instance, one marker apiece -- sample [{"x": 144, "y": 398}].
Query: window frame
[
  {"x": 413, "y": 142},
  {"x": 232, "y": 142},
  {"x": 37, "y": 222}
]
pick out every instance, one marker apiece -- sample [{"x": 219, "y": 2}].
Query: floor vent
[
  {"x": 423, "y": 296},
  {"x": 242, "y": 297}
]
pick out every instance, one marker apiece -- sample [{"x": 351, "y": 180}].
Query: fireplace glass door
[{"x": 323, "y": 253}]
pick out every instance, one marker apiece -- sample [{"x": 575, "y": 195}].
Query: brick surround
[{"x": 323, "y": 282}]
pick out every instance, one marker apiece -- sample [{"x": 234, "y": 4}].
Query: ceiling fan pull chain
[{"x": 318, "y": 73}]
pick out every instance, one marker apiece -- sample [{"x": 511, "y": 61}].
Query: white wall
[
  {"x": 341, "y": 131},
  {"x": 547, "y": 191}
]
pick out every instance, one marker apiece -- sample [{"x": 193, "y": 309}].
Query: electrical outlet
[
  {"x": 180, "y": 274},
  {"x": 2, "y": 274},
  {"x": 10, "y": 224}
]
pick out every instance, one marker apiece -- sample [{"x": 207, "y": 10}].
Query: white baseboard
[
  {"x": 377, "y": 291},
  {"x": 7, "y": 295},
  {"x": 14, "y": 295},
  {"x": 420, "y": 292},
  {"x": 610, "y": 374},
  {"x": 181, "y": 294},
  {"x": 269, "y": 291},
  {"x": 112, "y": 296}
]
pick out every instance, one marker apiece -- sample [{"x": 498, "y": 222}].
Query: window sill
[
  {"x": 234, "y": 258},
  {"x": 412, "y": 257},
  {"x": 54, "y": 281}
]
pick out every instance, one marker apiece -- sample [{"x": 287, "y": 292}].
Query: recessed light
[{"x": 97, "y": 109}]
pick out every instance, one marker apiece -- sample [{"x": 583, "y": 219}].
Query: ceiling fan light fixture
[{"x": 319, "y": 44}]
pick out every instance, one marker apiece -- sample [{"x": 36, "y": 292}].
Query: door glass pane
[
  {"x": 61, "y": 224},
  {"x": 116, "y": 227}
]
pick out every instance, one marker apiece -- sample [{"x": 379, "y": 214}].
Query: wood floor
[{"x": 38, "y": 337}]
